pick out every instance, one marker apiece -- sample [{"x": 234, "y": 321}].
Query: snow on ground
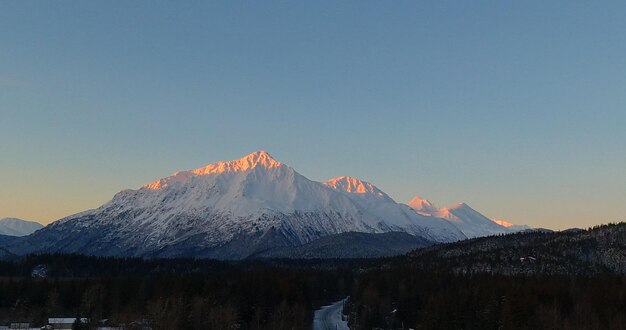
[{"x": 330, "y": 317}]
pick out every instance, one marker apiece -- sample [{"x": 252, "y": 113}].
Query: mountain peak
[
  {"x": 18, "y": 227},
  {"x": 502, "y": 223},
  {"x": 460, "y": 206},
  {"x": 255, "y": 159},
  {"x": 353, "y": 185},
  {"x": 260, "y": 158},
  {"x": 422, "y": 205},
  {"x": 249, "y": 162}
]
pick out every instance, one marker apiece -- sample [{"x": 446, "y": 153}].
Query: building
[{"x": 64, "y": 322}]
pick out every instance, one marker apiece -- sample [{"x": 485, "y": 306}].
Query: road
[{"x": 329, "y": 317}]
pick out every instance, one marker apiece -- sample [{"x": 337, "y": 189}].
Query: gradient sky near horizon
[{"x": 516, "y": 107}]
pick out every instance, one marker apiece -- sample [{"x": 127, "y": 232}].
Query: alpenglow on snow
[{"x": 232, "y": 210}]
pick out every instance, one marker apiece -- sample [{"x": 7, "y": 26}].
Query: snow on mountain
[
  {"x": 423, "y": 206},
  {"x": 254, "y": 184},
  {"x": 230, "y": 210},
  {"x": 18, "y": 227},
  {"x": 378, "y": 205},
  {"x": 465, "y": 218},
  {"x": 511, "y": 227},
  {"x": 503, "y": 223},
  {"x": 469, "y": 221},
  {"x": 355, "y": 186}
]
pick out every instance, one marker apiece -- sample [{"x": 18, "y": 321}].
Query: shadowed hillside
[{"x": 598, "y": 249}]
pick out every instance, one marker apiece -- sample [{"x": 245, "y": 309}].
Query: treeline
[
  {"x": 601, "y": 249},
  {"x": 407, "y": 298},
  {"x": 225, "y": 299},
  {"x": 74, "y": 265}
]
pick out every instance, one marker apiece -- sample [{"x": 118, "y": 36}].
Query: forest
[
  {"x": 574, "y": 280},
  {"x": 405, "y": 298},
  {"x": 223, "y": 299},
  {"x": 227, "y": 297}
]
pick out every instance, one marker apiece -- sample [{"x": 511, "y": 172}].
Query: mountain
[
  {"x": 378, "y": 205},
  {"x": 422, "y": 206},
  {"x": 511, "y": 227},
  {"x": 466, "y": 219},
  {"x": 469, "y": 221},
  {"x": 5, "y": 255},
  {"x": 18, "y": 227},
  {"x": 503, "y": 223},
  {"x": 231, "y": 210}
]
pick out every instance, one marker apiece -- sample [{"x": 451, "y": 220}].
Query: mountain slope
[
  {"x": 379, "y": 205},
  {"x": 466, "y": 219},
  {"x": 422, "y": 206},
  {"x": 469, "y": 221},
  {"x": 228, "y": 210},
  {"x": 600, "y": 249},
  {"x": 6, "y": 255},
  {"x": 18, "y": 227},
  {"x": 351, "y": 245}
]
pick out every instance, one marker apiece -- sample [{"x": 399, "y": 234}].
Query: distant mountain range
[
  {"x": 466, "y": 219},
  {"x": 254, "y": 207},
  {"x": 18, "y": 227}
]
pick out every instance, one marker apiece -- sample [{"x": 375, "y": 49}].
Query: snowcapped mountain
[
  {"x": 466, "y": 219},
  {"x": 510, "y": 226},
  {"x": 356, "y": 187},
  {"x": 18, "y": 227},
  {"x": 378, "y": 205},
  {"x": 469, "y": 221},
  {"x": 422, "y": 206},
  {"x": 231, "y": 210},
  {"x": 503, "y": 223}
]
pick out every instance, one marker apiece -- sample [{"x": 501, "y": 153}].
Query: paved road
[{"x": 329, "y": 317}]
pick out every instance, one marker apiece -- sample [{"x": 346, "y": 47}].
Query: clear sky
[{"x": 516, "y": 107}]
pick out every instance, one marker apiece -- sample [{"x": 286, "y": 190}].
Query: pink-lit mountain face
[
  {"x": 466, "y": 219},
  {"x": 232, "y": 210},
  {"x": 423, "y": 206}
]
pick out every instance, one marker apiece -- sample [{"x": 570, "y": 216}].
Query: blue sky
[{"x": 518, "y": 108}]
